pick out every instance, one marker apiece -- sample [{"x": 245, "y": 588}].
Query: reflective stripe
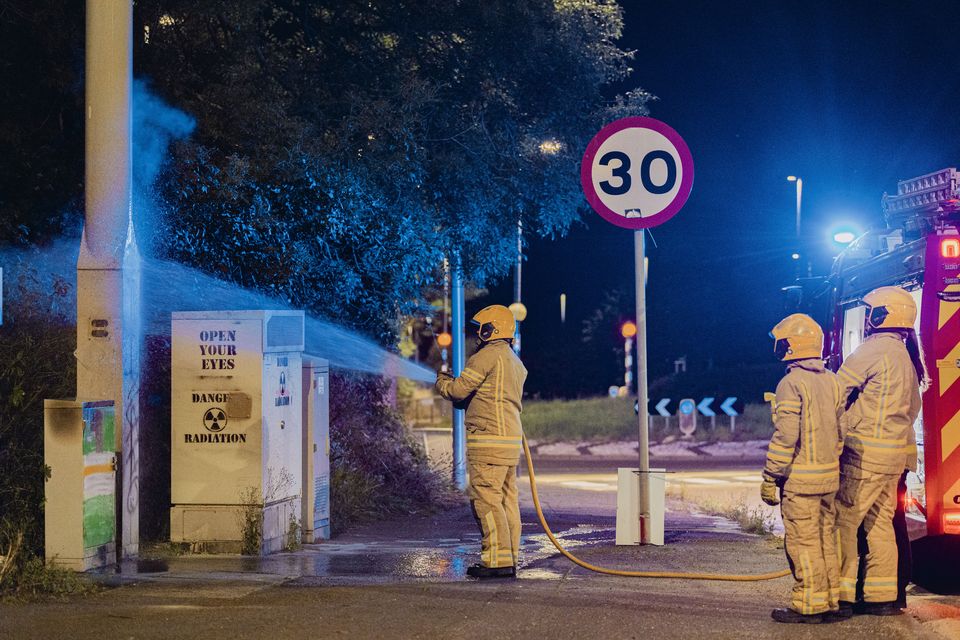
[
  {"x": 483, "y": 445},
  {"x": 807, "y": 586},
  {"x": 815, "y": 472},
  {"x": 879, "y": 443},
  {"x": 848, "y": 589},
  {"x": 851, "y": 376},
  {"x": 498, "y": 398},
  {"x": 884, "y": 397},
  {"x": 493, "y": 438},
  {"x": 806, "y": 425},
  {"x": 779, "y": 457},
  {"x": 473, "y": 375},
  {"x": 494, "y": 441},
  {"x": 775, "y": 448},
  {"x": 492, "y": 541}
]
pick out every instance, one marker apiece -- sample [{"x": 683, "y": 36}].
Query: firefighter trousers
[
  {"x": 810, "y": 541},
  {"x": 868, "y": 500},
  {"x": 496, "y": 506}
]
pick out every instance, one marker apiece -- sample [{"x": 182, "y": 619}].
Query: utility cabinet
[
  {"x": 236, "y": 426},
  {"x": 79, "y": 446},
  {"x": 316, "y": 449}
]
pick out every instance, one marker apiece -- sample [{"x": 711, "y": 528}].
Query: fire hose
[{"x": 730, "y": 577}]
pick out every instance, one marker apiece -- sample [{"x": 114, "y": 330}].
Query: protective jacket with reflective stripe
[
  {"x": 491, "y": 383},
  {"x": 884, "y": 404},
  {"x": 805, "y": 446}
]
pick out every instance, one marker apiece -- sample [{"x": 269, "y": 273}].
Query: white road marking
[{"x": 589, "y": 486}]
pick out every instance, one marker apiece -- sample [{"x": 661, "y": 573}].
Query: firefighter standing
[
  {"x": 881, "y": 380},
  {"x": 802, "y": 468},
  {"x": 491, "y": 385}
]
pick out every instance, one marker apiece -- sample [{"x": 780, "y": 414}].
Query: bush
[
  {"x": 28, "y": 576},
  {"x": 36, "y": 362},
  {"x": 377, "y": 469}
]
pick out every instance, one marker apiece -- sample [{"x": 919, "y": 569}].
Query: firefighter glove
[{"x": 769, "y": 492}]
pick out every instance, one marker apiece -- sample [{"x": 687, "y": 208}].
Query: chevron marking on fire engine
[
  {"x": 949, "y": 374},
  {"x": 948, "y": 309},
  {"x": 950, "y": 436}
]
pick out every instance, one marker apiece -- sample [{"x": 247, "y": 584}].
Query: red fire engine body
[{"x": 919, "y": 251}]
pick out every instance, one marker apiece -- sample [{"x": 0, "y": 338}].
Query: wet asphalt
[{"x": 405, "y": 579}]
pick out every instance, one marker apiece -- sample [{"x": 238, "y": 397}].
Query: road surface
[{"x": 405, "y": 579}]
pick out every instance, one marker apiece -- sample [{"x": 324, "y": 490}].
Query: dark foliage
[
  {"x": 376, "y": 468},
  {"x": 36, "y": 362}
]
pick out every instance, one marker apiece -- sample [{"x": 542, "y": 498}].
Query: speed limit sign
[{"x": 637, "y": 172}]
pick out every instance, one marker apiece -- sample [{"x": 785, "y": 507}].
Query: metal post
[
  {"x": 639, "y": 250},
  {"x": 459, "y": 430},
  {"x": 446, "y": 311},
  {"x": 516, "y": 289},
  {"x": 108, "y": 270}
]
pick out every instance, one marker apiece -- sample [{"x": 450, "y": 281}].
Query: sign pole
[
  {"x": 637, "y": 173},
  {"x": 459, "y": 430},
  {"x": 639, "y": 250}
]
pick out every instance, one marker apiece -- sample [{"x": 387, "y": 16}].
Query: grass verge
[
  {"x": 755, "y": 520},
  {"x": 605, "y": 419}
]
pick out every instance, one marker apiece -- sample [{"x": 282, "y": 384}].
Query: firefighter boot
[
  {"x": 481, "y": 572},
  {"x": 845, "y": 612},
  {"x": 791, "y": 616}
]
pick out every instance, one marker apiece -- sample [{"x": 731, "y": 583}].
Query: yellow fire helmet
[
  {"x": 495, "y": 322},
  {"x": 796, "y": 337},
  {"x": 890, "y": 308}
]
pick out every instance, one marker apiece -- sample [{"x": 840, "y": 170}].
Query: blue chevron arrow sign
[
  {"x": 704, "y": 408},
  {"x": 662, "y": 407},
  {"x": 727, "y": 407}
]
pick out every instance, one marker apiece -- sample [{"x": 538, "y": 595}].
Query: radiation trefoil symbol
[{"x": 215, "y": 419}]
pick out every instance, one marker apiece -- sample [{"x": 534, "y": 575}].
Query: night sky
[{"x": 850, "y": 96}]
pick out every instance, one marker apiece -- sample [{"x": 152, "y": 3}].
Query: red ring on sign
[{"x": 686, "y": 181}]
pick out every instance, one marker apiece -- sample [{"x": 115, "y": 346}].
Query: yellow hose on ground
[{"x": 730, "y": 577}]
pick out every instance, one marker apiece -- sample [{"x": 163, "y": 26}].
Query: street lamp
[
  {"x": 551, "y": 147},
  {"x": 799, "y": 182}
]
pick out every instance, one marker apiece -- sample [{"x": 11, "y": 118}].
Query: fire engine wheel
[{"x": 936, "y": 563}]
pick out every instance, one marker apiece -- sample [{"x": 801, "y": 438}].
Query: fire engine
[{"x": 919, "y": 250}]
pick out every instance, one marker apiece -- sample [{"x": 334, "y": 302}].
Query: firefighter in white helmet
[
  {"x": 882, "y": 379},
  {"x": 802, "y": 469},
  {"x": 491, "y": 385}
]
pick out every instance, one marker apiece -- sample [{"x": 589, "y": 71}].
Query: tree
[
  {"x": 341, "y": 150},
  {"x": 41, "y": 119}
]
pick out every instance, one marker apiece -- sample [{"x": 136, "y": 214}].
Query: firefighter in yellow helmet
[
  {"x": 491, "y": 385},
  {"x": 802, "y": 469},
  {"x": 881, "y": 383}
]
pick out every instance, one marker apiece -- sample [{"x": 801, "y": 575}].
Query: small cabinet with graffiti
[{"x": 80, "y": 513}]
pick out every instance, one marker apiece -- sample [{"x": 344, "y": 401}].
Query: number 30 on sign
[{"x": 637, "y": 172}]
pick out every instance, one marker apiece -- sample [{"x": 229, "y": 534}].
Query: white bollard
[{"x": 628, "y": 519}]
